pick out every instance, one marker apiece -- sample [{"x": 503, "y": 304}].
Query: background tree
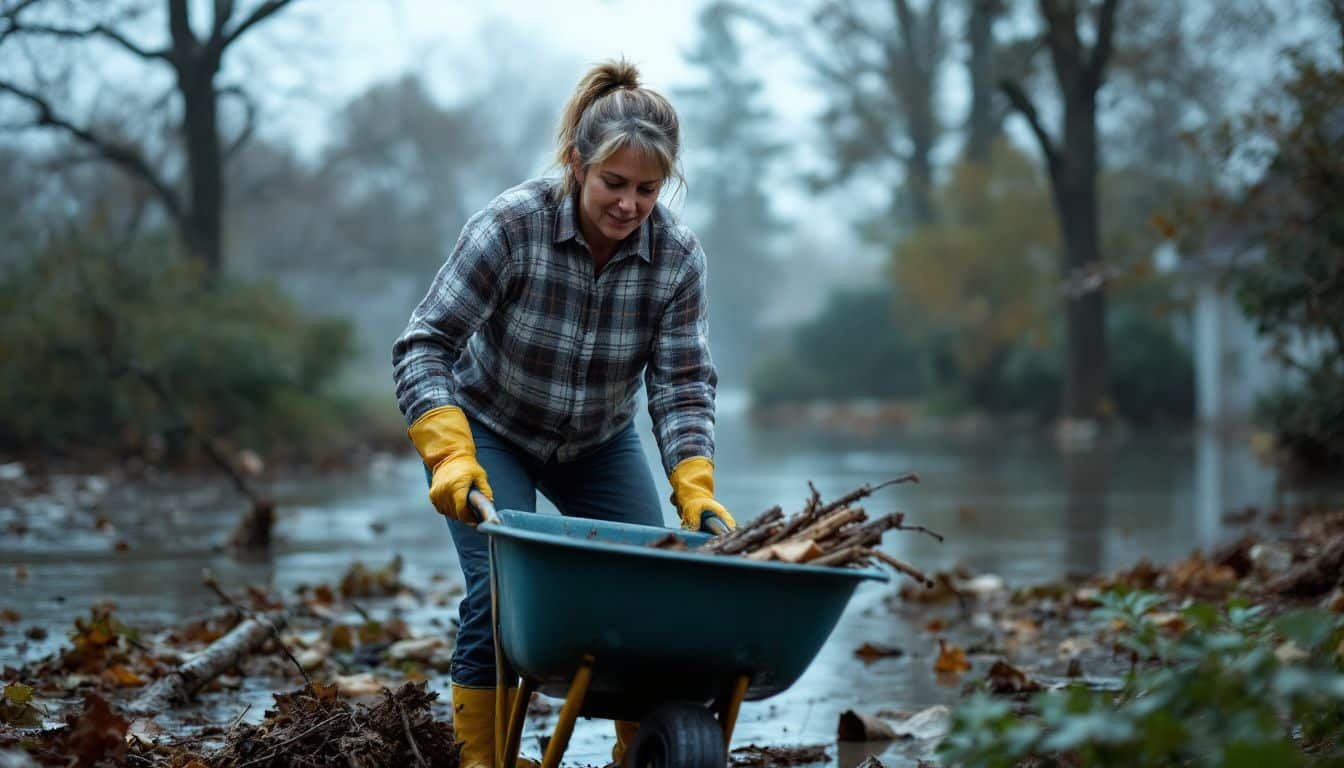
[
  {"x": 1073, "y": 164},
  {"x": 730, "y": 152},
  {"x": 195, "y": 203},
  {"x": 1289, "y": 274},
  {"x": 980, "y": 277}
]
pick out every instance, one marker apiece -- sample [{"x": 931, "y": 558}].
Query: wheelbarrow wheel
[{"x": 677, "y": 736}]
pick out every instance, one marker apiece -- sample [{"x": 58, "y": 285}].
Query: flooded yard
[{"x": 1013, "y": 506}]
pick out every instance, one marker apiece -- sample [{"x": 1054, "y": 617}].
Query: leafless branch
[
  {"x": 126, "y": 157},
  {"x": 96, "y": 31},
  {"x": 262, "y": 12},
  {"x": 1023, "y": 104},
  {"x": 250, "y": 120},
  {"x": 1101, "y": 52}
]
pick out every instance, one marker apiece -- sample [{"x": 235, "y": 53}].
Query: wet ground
[{"x": 1014, "y": 506}]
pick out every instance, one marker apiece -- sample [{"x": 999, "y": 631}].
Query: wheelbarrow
[{"x": 586, "y": 611}]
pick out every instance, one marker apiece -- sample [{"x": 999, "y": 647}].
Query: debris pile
[
  {"x": 834, "y": 533},
  {"x": 315, "y": 726}
]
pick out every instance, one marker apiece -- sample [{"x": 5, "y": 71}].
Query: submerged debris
[{"x": 753, "y": 756}]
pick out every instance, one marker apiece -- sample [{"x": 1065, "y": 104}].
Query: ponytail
[{"x": 611, "y": 110}]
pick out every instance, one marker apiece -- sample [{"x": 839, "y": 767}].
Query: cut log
[{"x": 223, "y": 654}]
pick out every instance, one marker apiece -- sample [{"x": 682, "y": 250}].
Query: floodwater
[{"x": 1011, "y": 505}]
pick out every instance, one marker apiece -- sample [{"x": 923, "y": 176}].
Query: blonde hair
[{"x": 609, "y": 111}]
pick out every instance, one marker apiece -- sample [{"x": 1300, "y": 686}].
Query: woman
[{"x": 518, "y": 371}]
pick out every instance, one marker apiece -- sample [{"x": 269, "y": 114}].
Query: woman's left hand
[{"x": 693, "y": 493}]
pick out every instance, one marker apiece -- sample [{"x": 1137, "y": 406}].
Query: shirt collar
[{"x": 567, "y": 228}]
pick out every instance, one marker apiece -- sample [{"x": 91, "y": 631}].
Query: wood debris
[{"x": 837, "y": 533}]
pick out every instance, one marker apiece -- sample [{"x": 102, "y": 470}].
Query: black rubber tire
[{"x": 677, "y": 736}]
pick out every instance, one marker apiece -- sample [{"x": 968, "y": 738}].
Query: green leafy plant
[
  {"x": 114, "y": 349},
  {"x": 1231, "y": 686}
]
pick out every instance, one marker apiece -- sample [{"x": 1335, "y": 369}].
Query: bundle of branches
[
  {"x": 314, "y": 726},
  {"x": 832, "y": 533}
]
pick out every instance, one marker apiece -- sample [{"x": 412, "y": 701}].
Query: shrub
[
  {"x": 93, "y": 333},
  {"x": 1236, "y": 688}
]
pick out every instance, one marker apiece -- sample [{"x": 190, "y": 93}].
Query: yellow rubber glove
[
  {"x": 693, "y": 493},
  {"x": 443, "y": 439}
]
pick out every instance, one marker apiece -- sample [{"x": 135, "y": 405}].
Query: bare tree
[
  {"x": 196, "y": 207},
  {"x": 984, "y": 123},
  {"x": 1072, "y": 160}
]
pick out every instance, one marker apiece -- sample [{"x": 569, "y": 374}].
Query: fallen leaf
[
  {"x": 97, "y": 733},
  {"x": 951, "y": 659},
  {"x": 871, "y": 652},
  {"x": 1290, "y": 652},
  {"x": 1170, "y": 622},
  {"x": 342, "y": 637},
  {"x": 854, "y": 726},
  {"x": 1073, "y": 647},
  {"x": 1005, "y": 678},
  {"x": 142, "y": 733},
  {"x": 1021, "y": 627},
  {"x": 926, "y": 724},
  {"x": 416, "y": 649},
  {"x": 1336, "y": 601},
  {"x": 936, "y": 625},
  {"x": 121, "y": 676},
  {"x": 984, "y": 586},
  {"x": 9, "y": 615},
  {"x": 362, "y": 684},
  {"x": 1088, "y": 597}
]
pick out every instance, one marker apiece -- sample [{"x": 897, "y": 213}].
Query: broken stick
[{"x": 177, "y": 686}]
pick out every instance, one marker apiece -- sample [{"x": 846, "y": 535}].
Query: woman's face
[{"x": 617, "y": 196}]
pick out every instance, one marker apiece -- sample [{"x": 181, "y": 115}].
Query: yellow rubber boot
[
  {"x": 474, "y": 725},
  {"x": 625, "y": 734}
]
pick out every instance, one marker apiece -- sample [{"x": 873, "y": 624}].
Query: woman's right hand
[
  {"x": 453, "y": 479},
  {"x": 443, "y": 439}
]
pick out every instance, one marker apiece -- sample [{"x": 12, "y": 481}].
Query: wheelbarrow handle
[
  {"x": 482, "y": 506},
  {"x": 711, "y": 523}
]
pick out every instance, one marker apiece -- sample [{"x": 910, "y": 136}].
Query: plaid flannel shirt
[{"x": 520, "y": 333}]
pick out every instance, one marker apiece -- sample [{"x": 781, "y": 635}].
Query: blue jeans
[{"x": 610, "y": 482}]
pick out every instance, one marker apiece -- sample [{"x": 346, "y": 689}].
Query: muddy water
[{"x": 1011, "y": 505}]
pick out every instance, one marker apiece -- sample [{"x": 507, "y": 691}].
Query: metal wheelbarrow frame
[{"x": 585, "y": 611}]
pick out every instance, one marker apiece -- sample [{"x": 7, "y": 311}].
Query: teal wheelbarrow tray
[{"x": 587, "y": 612}]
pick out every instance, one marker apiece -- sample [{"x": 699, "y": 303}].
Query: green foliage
[
  {"x": 1152, "y": 374},
  {"x": 983, "y": 273},
  {"x": 1237, "y": 688},
  {"x": 92, "y": 330},
  {"x": 857, "y": 348},
  {"x": 1293, "y": 287},
  {"x": 853, "y": 349}
]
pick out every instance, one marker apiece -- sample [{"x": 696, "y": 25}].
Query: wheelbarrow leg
[
  {"x": 731, "y": 706},
  {"x": 518, "y": 714},
  {"x": 569, "y": 713}
]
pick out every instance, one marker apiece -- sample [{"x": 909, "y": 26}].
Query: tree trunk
[
  {"x": 204, "y": 158},
  {"x": 1085, "y": 381},
  {"x": 983, "y": 127},
  {"x": 1073, "y": 164}
]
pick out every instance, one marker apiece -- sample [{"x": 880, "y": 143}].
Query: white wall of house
[{"x": 1232, "y": 364}]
